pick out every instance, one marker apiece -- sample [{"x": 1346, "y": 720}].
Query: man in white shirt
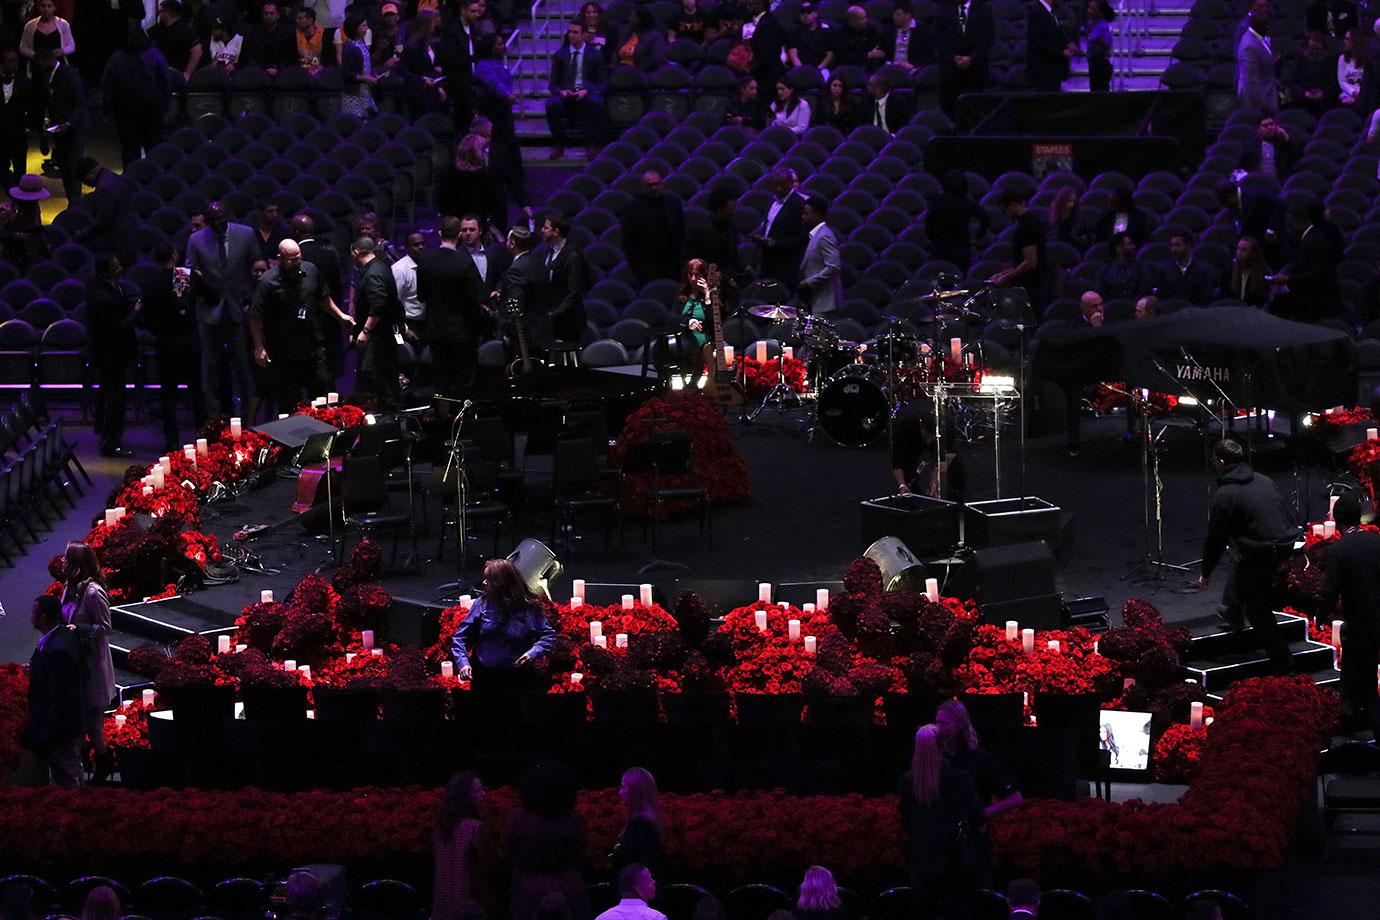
[
  {"x": 636, "y": 887},
  {"x": 821, "y": 269},
  {"x": 405, "y": 277}
]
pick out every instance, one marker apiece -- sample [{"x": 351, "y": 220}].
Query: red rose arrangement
[
  {"x": 761, "y": 376},
  {"x": 1178, "y": 754},
  {"x": 131, "y": 733},
  {"x": 717, "y": 465},
  {"x": 1342, "y": 418},
  {"x": 14, "y": 712},
  {"x": 341, "y": 415}
]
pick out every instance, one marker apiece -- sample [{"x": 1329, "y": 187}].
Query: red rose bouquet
[{"x": 718, "y": 467}]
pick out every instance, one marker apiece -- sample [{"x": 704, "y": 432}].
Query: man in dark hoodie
[{"x": 1248, "y": 511}]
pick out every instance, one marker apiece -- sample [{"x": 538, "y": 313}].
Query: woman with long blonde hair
[
  {"x": 640, "y": 841},
  {"x": 941, "y": 816}
]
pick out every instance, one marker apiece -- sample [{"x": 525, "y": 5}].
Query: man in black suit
[
  {"x": 56, "y": 696},
  {"x": 907, "y": 45},
  {"x": 1353, "y": 575},
  {"x": 449, "y": 284},
  {"x": 460, "y": 48},
  {"x": 16, "y": 111},
  {"x": 886, "y": 109},
  {"x": 1311, "y": 278},
  {"x": 113, "y": 306},
  {"x": 1275, "y": 151},
  {"x": 654, "y": 231},
  {"x": 766, "y": 36},
  {"x": 782, "y": 233},
  {"x": 578, "y": 78},
  {"x": 60, "y": 108},
  {"x": 272, "y": 44},
  {"x": 716, "y": 241},
  {"x": 520, "y": 295},
  {"x": 108, "y": 208},
  {"x": 1047, "y": 48},
  {"x": 567, "y": 281},
  {"x": 378, "y": 324},
  {"x": 1184, "y": 277},
  {"x": 490, "y": 259},
  {"x": 170, "y": 314},
  {"x": 327, "y": 261},
  {"x": 963, "y": 38}
]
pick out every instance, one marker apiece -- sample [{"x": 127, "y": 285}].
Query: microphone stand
[{"x": 456, "y": 462}]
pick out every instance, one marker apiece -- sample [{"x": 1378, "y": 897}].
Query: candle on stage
[
  {"x": 147, "y": 490},
  {"x": 1373, "y": 434},
  {"x": 121, "y": 718},
  {"x": 236, "y": 428},
  {"x": 761, "y": 352},
  {"x": 787, "y": 352},
  {"x": 576, "y": 602},
  {"x": 166, "y": 463},
  {"x": 821, "y": 598},
  {"x": 793, "y": 630},
  {"x": 932, "y": 589},
  {"x": 620, "y": 640},
  {"x": 332, "y": 398},
  {"x": 111, "y": 517},
  {"x": 764, "y": 592},
  {"x": 601, "y": 641},
  {"x": 1195, "y": 715},
  {"x": 159, "y": 477},
  {"x": 1329, "y": 529},
  {"x": 596, "y": 629},
  {"x": 728, "y": 356},
  {"x": 305, "y": 671},
  {"x": 808, "y": 608},
  {"x": 290, "y": 665},
  {"x": 203, "y": 447},
  {"x": 222, "y": 645},
  {"x": 627, "y": 602},
  {"x": 956, "y": 348},
  {"x": 811, "y": 643},
  {"x": 1027, "y": 640},
  {"x": 1331, "y": 505},
  {"x": 366, "y": 639},
  {"x": 761, "y": 618},
  {"x": 318, "y": 402},
  {"x": 447, "y": 669},
  {"x": 240, "y": 647},
  {"x": 576, "y": 678},
  {"x": 265, "y": 597},
  {"x": 349, "y": 657},
  {"x": 465, "y": 601},
  {"x": 148, "y": 696},
  {"x": 578, "y": 588},
  {"x": 1337, "y": 633},
  {"x": 376, "y": 653},
  {"x": 189, "y": 452},
  {"x": 646, "y": 591},
  {"x": 1054, "y": 645},
  {"x": 1013, "y": 630},
  {"x": 1317, "y": 530}
]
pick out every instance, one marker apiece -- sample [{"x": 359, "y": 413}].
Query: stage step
[
  {"x": 1211, "y": 638},
  {"x": 170, "y": 620},
  {"x": 1219, "y": 672}
]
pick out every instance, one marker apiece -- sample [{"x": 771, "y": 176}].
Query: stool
[{"x": 565, "y": 354}]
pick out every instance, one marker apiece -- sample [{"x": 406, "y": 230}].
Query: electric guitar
[
  {"x": 524, "y": 363},
  {"x": 720, "y": 385}
]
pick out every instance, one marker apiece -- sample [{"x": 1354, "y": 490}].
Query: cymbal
[
  {"x": 774, "y": 312},
  {"x": 943, "y": 295}
]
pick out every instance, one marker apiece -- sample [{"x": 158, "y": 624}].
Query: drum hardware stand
[
  {"x": 780, "y": 394},
  {"x": 455, "y": 465}
]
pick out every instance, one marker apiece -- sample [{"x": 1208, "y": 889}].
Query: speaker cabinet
[{"x": 1016, "y": 582}]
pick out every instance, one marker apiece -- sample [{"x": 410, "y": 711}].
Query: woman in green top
[{"x": 693, "y": 300}]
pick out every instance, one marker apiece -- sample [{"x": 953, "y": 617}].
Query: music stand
[{"x": 319, "y": 448}]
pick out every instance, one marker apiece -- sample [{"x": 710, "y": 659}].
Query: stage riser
[
  {"x": 1216, "y": 676},
  {"x": 1223, "y": 642}
]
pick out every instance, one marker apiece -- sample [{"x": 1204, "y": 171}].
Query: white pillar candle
[
  {"x": 240, "y": 647},
  {"x": 266, "y": 597},
  {"x": 601, "y": 641},
  {"x": 932, "y": 589},
  {"x": 366, "y": 639},
  {"x": 1013, "y": 630},
  {"x": 111, "y": 517},
  {"x": 822, "y": 599},
  {"x": 290, "y": 664},
  {"x": 121, "y": 718},
  {"x": 376, "y": 653},
  {"x": 447, "y": 669},
  {"x": 1373, "y": 434},
  {"x": 627, "y": 602},
  {"x": 222, "y": 645},
  {"x": 577, "y": 602},
  {"x": 189, "y": 452},
  {"x": 793, "y": 630},
  {"x": 787, "y": 352},
  {"x": 576, "y": 678},
  {"x": 349, "y": 657},
  {"x": 159, "y": 477},
  {"x": 596, "y": 629},
  {"x": 1054, "y": 646},
  {"x": 1027, "y": 640},
  {"x": 761, "y": 618},
  {"x": 728, "y": 356},
  {"x": 282, "y": 415},
  {"x": 1331, "y": 505},
  {"x": 202, "y": 447},
  {"x": 147, "y": 490},
  {"x": 646, "y": 591},
  {"x": 956, "y": 348},
  {"x": 1095, "y": 647},
  {"x": 1317, "y": 530},
  {"x": 620, "y": 640},
  {"x": 579, "y": 588},
  {"x": 811, "y": 643},
  {"x": 305, "y": 671},
  {"x": 808, "y": 608},
  {"x": 465, "y": 601},
  {"x": 318, "y": 402},
  {"x": 236, "y": 428},
  {"x": 761, "y": 352},
  {"x": 166, "y": 463},
  {"x": 1329, "y": 529},
  {"x": 332, "y": 398},
  {"x": 148, "y": 697},
  {"x": 1337, "y": 633},
  {"x": 119, "y": 513},
  {"x": 764, "y": 592},
  {"x": 1195, "y": 715}
]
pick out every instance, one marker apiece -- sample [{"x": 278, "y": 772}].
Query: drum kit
[{"x": 929, "y": 350}]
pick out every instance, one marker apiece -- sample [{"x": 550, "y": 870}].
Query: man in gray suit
[
  {"x": 821, "y": 269},
  {"x": 220, "y": 256},
  {"x": 1256, "y": 87}
]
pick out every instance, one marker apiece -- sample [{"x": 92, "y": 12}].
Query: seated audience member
[
  {"x": 1023, "y": 895},
  {"x": 1183, "y": 277},
  {"x": 1256, "y": 213},
  {"x": 271, "y": 44},
  {"x": 175, "y": 38},
  {"x": 1330, "y": 17},
  {"x": 1146, "y": 306},
  {"x": 226, "y": 45},
  {"x": 1274, "y": 152},
  {"x": 690, "y": 23},
  {"x": 748, "y": 108},
  {"x": 812, "y": 43},
  {"x": 1313, "y": 85},
  {"x": 102, "y": 903},
  {"x": 636, "y": 888},
  {"x": 305, "y": 896},
  {"x": 578, "y": 78},
  {"x": 642, "y": 44},
  {"x": 789, "y": 109},
  {"x": 837, "y": 107},
  {"x": 1067, "y": 224},
  {"x": 819, "y": 897},
  {"x": 313, "y": 51},
  {"x": 858, "y": 43},
  {"x": 599, "y": 32},
  {"x": 906, "y": 44},
  {"x": 1351, "y": 67},
  {"x": 1123, "y": 217},
  {"x": 885, "y": 109},
  {"x": 1125, "y": 277}
]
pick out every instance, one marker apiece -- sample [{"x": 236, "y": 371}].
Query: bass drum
[{"x": 854, "y": 405}]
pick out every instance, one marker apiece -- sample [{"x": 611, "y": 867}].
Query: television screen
[{"x": 1126, "y": 736}]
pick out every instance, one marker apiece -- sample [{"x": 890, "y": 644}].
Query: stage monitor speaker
[
  {"x": 1016, "y": 582},
  {"x": 411, "y": 623},
  {"x": 902, "y": 570},
  {"x": 927, "y": 525},
  {"x": 1010, "y": 520},
  {"x": 292, "y": 432},
  {"x": 538, "y": 565}
]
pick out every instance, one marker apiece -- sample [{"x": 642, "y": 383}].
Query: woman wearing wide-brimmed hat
[{"x": 21, "y": 223}]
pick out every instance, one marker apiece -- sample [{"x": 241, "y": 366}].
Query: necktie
[
  {"x": 963, "y": 17},
  {"x": 576, "y": 61}
]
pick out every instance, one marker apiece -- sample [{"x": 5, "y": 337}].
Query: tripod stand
[{"x": 455, "y": 468}]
